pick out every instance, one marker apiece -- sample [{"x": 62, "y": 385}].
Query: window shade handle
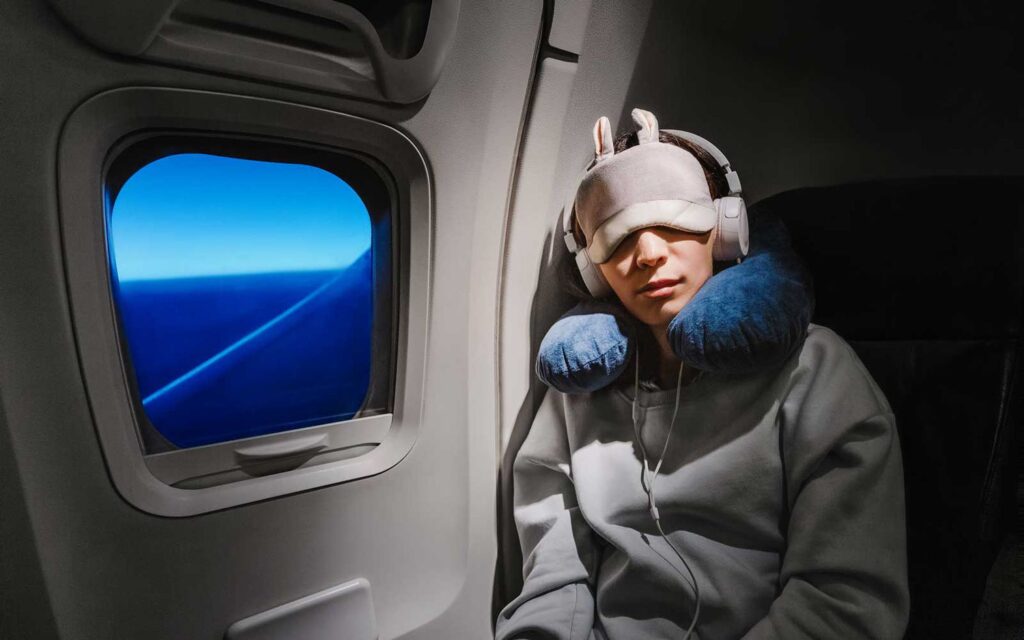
[{"x": 281, "y": 449}]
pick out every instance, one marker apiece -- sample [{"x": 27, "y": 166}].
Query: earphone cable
[{"x": 648, "y": 483}]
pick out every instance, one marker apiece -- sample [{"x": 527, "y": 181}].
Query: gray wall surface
[{"x": 81, "y": 562}]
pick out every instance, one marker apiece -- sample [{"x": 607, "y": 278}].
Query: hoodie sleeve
[
  {"x": 844, "y": 573},
  {"x": 559, "y": 559}
]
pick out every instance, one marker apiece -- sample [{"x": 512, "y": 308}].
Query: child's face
[{"x": 659, "y": 253}]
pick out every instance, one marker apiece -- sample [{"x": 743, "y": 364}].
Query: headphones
[{"x": 731, "y": 241}]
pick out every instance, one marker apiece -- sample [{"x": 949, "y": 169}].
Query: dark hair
[{"x": 569, "y": 275}]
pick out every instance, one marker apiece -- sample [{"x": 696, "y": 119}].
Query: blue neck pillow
[{"x": 747, "y": 317}]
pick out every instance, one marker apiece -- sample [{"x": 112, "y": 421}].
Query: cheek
[
  {"x": 615, "y": 274},
  {"x": 697, "y": 263},
  {"x": 703, "y": 271}
]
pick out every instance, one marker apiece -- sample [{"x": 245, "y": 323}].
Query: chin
[{"x": 661, "y": 312}]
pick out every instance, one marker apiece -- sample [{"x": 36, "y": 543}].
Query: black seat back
[{"x": 925, "y": 279}]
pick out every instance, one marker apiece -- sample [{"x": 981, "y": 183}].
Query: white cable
[{"x": 647, "y": 480}]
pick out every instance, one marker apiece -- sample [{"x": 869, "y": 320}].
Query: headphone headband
[{"x": 731, "y": 176}]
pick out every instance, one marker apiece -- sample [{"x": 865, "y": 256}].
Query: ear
[
  {"x": 604, "y": 146},
  {"x": 648, "y": 124}
]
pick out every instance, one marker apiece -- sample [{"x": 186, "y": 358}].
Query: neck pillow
[{"x": 747, "y": 317}]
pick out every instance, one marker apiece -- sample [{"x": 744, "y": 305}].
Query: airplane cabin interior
[{"x": 275, "y": 277}]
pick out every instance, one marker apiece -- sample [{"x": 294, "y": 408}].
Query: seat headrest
[{"x": 922, "y": 258}]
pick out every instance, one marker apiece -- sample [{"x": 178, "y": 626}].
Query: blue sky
[{"x": 194, "y": 214}]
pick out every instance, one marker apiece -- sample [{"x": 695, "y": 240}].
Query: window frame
[{"x": 113, "y": 123}]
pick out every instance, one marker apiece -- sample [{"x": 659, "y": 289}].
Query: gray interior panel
[
  {"x": 422, "y": 532},
  {"x": 331, "y": 46},
  {"x": 568, "y": 98},
  {"x": 569, "y": 25},
  {"x": 344, "y": 611}
]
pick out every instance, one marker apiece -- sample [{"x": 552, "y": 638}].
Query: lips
[
  {"x": 663, "y": 288},
  {"x": 654, "y": 285}
]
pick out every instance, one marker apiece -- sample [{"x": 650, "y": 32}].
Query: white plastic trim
[{"x": 344, "y": 611}]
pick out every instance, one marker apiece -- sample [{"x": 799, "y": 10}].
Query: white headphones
[{"x": 732, "y": 238}]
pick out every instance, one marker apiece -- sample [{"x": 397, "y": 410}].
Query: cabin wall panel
[
  {"x": 421, "y": 533},
  {"x": 570, "y": 97}
]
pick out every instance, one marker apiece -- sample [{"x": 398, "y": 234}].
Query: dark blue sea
[{"x": 224, "y": 357}]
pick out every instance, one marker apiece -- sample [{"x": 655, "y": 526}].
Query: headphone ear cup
[
  {"x": 592, "y": 276},
  {"x": 593, "y": 279},
  {"x": 733, "y": 237}
]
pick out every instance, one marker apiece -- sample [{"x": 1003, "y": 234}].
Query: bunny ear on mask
[
  {"x": 604, "y": 146},
  {"x": 648, "y": 124}
]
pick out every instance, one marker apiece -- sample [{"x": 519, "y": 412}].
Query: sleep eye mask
[{"x": 643, "y": 186}]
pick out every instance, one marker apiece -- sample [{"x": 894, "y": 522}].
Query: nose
[{"x": 651, "y": 249}]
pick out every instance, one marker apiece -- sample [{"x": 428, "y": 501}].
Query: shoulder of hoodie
[{"x": 826, "y": 363}]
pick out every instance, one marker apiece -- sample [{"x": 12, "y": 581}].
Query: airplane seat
[{"x": 924, "y": 278}]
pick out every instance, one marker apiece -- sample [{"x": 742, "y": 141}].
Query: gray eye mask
[{"x": 653, "y": 183}]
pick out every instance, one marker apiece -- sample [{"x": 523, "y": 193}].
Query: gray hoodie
[{"x": 783, "y": 490}]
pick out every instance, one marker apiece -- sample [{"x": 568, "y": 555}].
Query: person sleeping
[{"x": 707, "y": 463}]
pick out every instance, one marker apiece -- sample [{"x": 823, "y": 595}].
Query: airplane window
[
  {"x": 248, "y": 286},
  {"x": 245, "y": 295}
]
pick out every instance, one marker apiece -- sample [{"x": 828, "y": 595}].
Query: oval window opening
[{"x": 245, "y": 295}]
